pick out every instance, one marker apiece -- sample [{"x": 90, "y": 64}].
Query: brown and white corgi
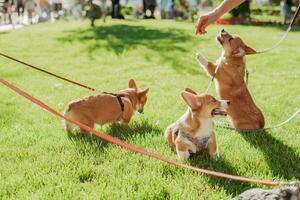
[
  {"x": 230, "y": 83},
  {"x": 194, "y": 130},
  {"x": 107, "y": 107}
]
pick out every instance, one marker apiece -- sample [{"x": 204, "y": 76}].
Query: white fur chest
[
  {"x": 206, "y": 129},
  {"x": 206, "y": 126}
]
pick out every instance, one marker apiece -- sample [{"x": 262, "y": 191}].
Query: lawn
[{"x": 39, "y": 161}]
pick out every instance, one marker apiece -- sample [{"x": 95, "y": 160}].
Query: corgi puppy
[
  {"x": 107, "y": 107},
  {"x": 194, "y": 130},
  {"x": 230, "y": 83}
]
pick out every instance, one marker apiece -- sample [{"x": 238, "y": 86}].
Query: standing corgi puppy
[
  {"x": 107, "y": 107},
  {"x": 194, "y": 130},
  {"x": 230, "y": 83}
]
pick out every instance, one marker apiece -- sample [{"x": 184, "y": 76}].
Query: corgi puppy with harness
[
  {"x": 107, "y": 107},
  {"x": 194, "y": 130}
]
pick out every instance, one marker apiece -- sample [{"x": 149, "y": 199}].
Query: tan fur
[
  {"x": 105, "y": 108},
  {"x": 197, "y": 122},
  {"x": 230, "y": 83}
]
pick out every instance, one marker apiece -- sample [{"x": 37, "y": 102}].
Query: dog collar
[
  {"x": 119, "y": 98},
  {"x": 199, "y": 143}
]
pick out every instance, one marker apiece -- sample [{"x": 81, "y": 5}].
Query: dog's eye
[{"x": 214, "y": 100}]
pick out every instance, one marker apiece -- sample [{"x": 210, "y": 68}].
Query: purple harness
[{"x": 199, "y": 143}]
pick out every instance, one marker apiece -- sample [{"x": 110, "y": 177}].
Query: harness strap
[
  {"x": 199, "y": 143},
  {"x": 119, "y": 98}
]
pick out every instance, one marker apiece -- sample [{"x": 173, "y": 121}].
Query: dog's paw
[
  {"x": 183, "y": 155},
  {"x": 193, "y": 148},
  {"x": 202, "y": 60},
  {"x": 215, "y": 156}
]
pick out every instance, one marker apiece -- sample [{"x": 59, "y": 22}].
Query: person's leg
[
  {"x": 152, "y": 9},
  {"x": 163, "y": 14},
  {"x": 30, "y": 12},
  {"x": 135, "y": 9},
  {"x": 10, "y": 14},
  {"x": 115, "y": 9}
]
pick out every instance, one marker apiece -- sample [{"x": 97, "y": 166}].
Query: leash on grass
[
  {"x": 139, "y": 150},
  {"x": 49, "y": 73},
  {"x": 293, "y": 116}
]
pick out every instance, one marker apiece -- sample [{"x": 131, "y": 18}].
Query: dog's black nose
[
  {"x": 223, "y": 30},
  {"x": 228, "y": 102}
]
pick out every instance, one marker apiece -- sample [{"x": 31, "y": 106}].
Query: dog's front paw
[
  {"x": 215, "y": 156},
  {"x": 202, "y": 60},
  {"x": 193, "y": 148},
  {"x": 183, "y": 155}
]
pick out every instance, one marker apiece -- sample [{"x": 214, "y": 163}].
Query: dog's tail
[
  {"x": 67, "y": 113},
  {"x": 170, "y": 135}
]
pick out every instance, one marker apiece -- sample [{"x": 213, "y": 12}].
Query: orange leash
[
  {"x": 47, "y": 72},
  {"x": 135, "y": 149}
]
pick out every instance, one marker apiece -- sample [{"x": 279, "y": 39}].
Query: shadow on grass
[
  {"x": 140, "y": 128},
  {"x": 121, "y": 38},
  {"x": 204, "y": 161},
  {"x": 97, "y": 145},
  {"x": 282, "y": 159}
]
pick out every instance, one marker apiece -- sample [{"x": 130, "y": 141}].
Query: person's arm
[{"x": 211, "y": 17}]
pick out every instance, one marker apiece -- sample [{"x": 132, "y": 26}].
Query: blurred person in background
[
  {"x": 286, "y": 10},
  {"x": 45, "y": 14},
  {"x": 166, "y": 9},
  {"x": 77, "y": 10},
  {"x": 30, "y": 8},
  {"x": 57, "y": 9},
  {"x": 116, "y": 10},
  {"x": 297, "y": 3},
  {"x": 8, "y": 8},
  {"x": 137, "y": 8},
  {"x": 149, "y": 8},
  {"x": 20, "y": 8}
]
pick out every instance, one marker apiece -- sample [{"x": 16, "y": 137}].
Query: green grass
[{"x": 39, "y": 161}]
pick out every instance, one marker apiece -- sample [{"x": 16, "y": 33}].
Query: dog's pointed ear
[
  {"x": 249, "y": 50},
  {"x": 190, "y": 91},
  {"x": 144, "y": 92},
  {"x": 191, "y": 100},
  {"x": 132, "y": 84}
]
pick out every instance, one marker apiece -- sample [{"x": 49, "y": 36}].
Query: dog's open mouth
[
  {"x": 219, "y": 38},
  {"x": 218, "y": 111}
]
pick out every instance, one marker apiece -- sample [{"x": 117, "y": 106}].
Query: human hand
[{"x": 204, "y": 21}]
